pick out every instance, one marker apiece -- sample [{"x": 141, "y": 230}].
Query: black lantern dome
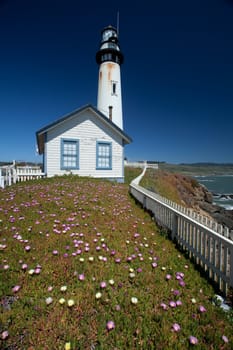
[{"x": 109, "y": 47}]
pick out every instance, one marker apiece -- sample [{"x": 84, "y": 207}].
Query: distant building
[{"x": 90, "y": 141}]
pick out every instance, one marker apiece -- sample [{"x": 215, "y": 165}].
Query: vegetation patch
[{"x": 83, "y": 267}]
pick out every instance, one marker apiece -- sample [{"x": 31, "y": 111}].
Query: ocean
[{"x": 219, "y": 185}]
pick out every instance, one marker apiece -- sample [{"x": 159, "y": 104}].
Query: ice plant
[
  {"x": 163, "y": 306},
  {"x": 176, "y": 327},
  {"x": 172, "y": 304},
  {"x": 70, "y": 302},
  {"x": 81, "y": 277},
  {"x": 98, "y": 295},
  {"x": 193, "y": 340},
  {"x": 134, "y": 300},
  {"x": 103, "y": 284},
  {"x": 202, "y": 309},
  {"x": 49, "y": 300},
  {"x": 110, "y": 325},
  {"x": 15, "y": 289},
  {"x": 4, "y": 335},
  {"x": 67, "y": 346},
  {"x": 225, "y": 339},
  {"x": 63, "y": 288}
]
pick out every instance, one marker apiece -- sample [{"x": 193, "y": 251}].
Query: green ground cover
[{"x": 83, "y": 267}]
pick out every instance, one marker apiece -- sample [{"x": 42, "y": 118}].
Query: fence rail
[
  {"x": 11, "y": 174},
  {"x": 205, "y": 241}
]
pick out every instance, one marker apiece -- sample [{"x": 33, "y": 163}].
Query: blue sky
[{"x": 177, "y": 77}]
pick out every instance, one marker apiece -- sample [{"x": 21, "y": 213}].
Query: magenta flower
[
  {"x": 103, "y": 284},
  {"x": 4, "y": 335},
  {"x": 182, "y": 283},
  {"x": 27, "y": 248},
  {"x": 154, "y": 264},
  {"x": 202, "y": 309},
  {"x": 163, "y": 306},
  {"x": 193, "y": 340},
  {"x": 55, "y": 252},
  {"x": 168, "y": 277},
  {"x": 176, "y": 292},
  {"x": 172, "y": 304},
  {"x": 24, "y": 266},
  {"x": 178, "y": 303},
  {"x": 110, "y": 325},
  {"x": 81, "y": 277},
  {"x": 176, "y": 327},
  {"x": 225, "y": 339},
  {"x": 15, "y": 289}
]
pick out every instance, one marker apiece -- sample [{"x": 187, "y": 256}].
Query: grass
[
  {"x": 162, "y": 183},
  {"x": 79, "y": 233}
]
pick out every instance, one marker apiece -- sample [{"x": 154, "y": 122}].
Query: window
[
  {"x": 104, "y": 155},
  {"x": 69, "y": 154},
  {"x": 114, "y": 87}
]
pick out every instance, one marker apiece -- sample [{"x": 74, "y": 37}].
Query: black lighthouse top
[{"x": 109, "y": 47}]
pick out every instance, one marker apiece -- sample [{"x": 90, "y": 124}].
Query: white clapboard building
[{"x": 90, "y": 141}]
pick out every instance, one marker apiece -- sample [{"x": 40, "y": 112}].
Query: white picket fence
[
  {"x": 141, "y": 164},
  {"x": 209, "y": 244},
  {"x": 11, "y": 174}
]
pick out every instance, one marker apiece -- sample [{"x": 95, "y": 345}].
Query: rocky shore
[
  {"x": 202, "y": 199},
  {"x": 187, "y": 191}
]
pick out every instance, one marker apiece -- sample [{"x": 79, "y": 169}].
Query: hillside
[
  {"x": 185, "y": 190},
  {"x": 198, "y": 168},
  {"x": 84, "y": 267}
]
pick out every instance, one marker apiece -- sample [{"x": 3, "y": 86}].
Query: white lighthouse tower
[{"x": 110, "y": 58}]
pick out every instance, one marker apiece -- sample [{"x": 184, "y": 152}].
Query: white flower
[
  {"x": 70, "y": 302},
  {"x": 98, "y": 295},
  {"x": 63, "y": 288},
  {"x": 49, "y": 300},
  {"x": 111, "y": 282},
  {"x": 134, "y": 300},
  {"x": 62, "y": 301}
]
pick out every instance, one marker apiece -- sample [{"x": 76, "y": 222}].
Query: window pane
[
  {"x": 104, "y": 155},
  {"x": 69, "y": 154}
]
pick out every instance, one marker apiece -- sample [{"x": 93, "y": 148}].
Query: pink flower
[
  {"x": 225, "y": 339},
  {"x": 15, "y": 289},
  {"x": 27, "y": 248},
  {"x": 24, "y": 266},
  {"x": 4, "y": 335},
  {"x": 81, "y": 277},
  {"x": 202, "y": 309},
  {"x": 103, "y": 284},
  {"x": 193, "y": 340},
  {"x": 176, "y": 327},
  {"x": 163, "y": 306},
  {"x": 110, "y": 325},
  {"x": 168, "y": 277},
  {"x": 172, "y": 304}
]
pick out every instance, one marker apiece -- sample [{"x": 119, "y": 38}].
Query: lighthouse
[{"x": 109, "y": 58}]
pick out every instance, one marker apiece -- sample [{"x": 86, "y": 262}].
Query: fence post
[
  {"x": 174, "y": 225},
  {"x": 1, "y": 179},
  {"x": 231, "y": 266}
]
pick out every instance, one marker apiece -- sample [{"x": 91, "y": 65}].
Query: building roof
[{"x": 40, "y": 134}]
